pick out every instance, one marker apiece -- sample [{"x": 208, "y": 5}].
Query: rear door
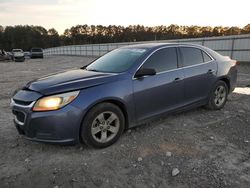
[
  {"x": 200, "y": 74},
  {"x": 163, "y": 91}
]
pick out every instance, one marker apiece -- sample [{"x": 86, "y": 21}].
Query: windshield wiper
[
  {"x": 94, "y": 70},
  {"x": 85, "y": 68}
]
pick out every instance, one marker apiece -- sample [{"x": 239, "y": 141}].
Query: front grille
[{"x": 20, "y": 116}]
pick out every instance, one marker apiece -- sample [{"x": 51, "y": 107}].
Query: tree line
[{"x": 26, "y": 37}]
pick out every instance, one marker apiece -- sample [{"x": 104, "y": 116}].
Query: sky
[{"x": 62, "y": 14}]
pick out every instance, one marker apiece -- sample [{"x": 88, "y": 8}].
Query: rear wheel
[
  {"x": 103, "y": 125},
  {"x": 218, "y": 97}
]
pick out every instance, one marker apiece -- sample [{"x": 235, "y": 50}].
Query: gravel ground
[{"x": 201, "y": 148}]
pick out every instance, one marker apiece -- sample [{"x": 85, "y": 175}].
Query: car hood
[{"x": 68, "y": 81}]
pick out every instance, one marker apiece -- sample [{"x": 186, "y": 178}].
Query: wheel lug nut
[
  {"x": 108, "y": 127},
  {"x": 101, "y": 127}
]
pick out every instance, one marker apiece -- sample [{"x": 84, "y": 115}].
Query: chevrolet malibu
[{"x": 120, "y": 90}]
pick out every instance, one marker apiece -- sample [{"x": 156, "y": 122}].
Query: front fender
[{"x": 120, "y": 92}]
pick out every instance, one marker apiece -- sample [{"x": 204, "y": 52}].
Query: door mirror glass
[{"x": 145, "y": 72}]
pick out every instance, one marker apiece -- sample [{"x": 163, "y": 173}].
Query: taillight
[{"x": 237, "y": 63}]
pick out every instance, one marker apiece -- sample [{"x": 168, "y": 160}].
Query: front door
[{"x": 161, "y": 92}]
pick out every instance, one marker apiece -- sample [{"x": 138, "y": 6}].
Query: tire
[
  {"x": 103, "y": 125},
  {"x": 218, "y": 96}
]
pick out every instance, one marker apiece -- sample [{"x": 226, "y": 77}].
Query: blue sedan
[{"x": 120, "y": 90}]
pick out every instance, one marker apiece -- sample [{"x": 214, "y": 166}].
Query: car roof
[
  {"x": 155, "y": 45},
  {"x": 151, "y": 46}
]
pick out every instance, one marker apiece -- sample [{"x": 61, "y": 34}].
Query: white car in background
[{"x": 18, "y": 55}]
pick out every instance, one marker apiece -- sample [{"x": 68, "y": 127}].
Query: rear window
[
  {"x": 206, "y": 57},
  {"x": 191, "y": 56}
]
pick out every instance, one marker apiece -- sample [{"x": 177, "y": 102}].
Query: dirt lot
[{"x": 210, "y": 148}]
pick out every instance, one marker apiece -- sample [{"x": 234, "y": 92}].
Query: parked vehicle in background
[
  {"x": 9, "y": 54},
  {"x": 27, "y": 54},
  {"x": 121, "y": 89},
  {"x": 18, "y": 55},
  {"x": 4, "y": 55},
  {"x": 36, "y": 53}
]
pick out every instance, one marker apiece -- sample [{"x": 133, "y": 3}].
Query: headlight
[{"x": 55, "y": 102}]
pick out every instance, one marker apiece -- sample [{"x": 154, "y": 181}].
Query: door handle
[
  {"x": 177, "y": 79},
  {"x": 210, "y": 71}
]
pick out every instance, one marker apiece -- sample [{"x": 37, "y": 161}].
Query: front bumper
[
  {"x": 38, "y": 55},
  {"x": 59, "y": 126},
  {"x": 19, "y": 59}
]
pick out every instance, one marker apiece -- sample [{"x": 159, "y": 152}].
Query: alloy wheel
[
  {"x": 105, "y": 127},
  {"x": 220, "y": 95}
]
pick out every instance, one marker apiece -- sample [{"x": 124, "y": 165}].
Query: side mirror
[{"x": 144, "y": 72}]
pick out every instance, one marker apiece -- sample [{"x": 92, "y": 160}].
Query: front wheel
[
  {"x": 103, "y": 125},
  {"x": 218, "y": 96}
]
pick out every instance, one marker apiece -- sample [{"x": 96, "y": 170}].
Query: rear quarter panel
[{"x": 228, "y": 69}]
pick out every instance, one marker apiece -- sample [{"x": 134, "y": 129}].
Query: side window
[
  {"x": 191, "y": 56},
  {"x": 162, "y": 60},
  {"x": 206, "y": 58}
]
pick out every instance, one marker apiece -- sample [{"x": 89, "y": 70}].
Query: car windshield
[
  {"x": 116, "y": 61},
  {"x": 37, "y": 50},
  {"x": 17, "y": 50}
]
